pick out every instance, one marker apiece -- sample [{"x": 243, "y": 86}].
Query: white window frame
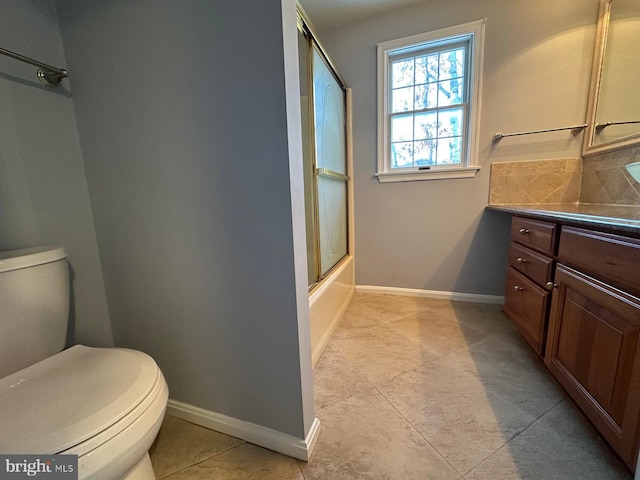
[{"x": 474, "y": 33}]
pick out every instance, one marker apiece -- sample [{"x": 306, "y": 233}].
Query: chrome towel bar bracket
[
  {"x": 48, "y": 75},
  {"x": 600, "y": 126}
]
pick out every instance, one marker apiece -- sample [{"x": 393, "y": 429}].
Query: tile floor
[{"x": 412, "y": 388}]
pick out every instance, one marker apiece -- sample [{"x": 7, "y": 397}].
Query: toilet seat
[{"x": 77, "y": 400}]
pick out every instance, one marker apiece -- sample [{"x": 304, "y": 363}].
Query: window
[{"x": 429, "y": 104}]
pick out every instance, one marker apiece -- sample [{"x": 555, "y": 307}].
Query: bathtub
[{"x": 327, "y": 304}]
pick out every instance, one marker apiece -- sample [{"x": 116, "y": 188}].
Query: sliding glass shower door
[
  {"x": 324, "y": 112},
  {"x": 331, "y": 164}
]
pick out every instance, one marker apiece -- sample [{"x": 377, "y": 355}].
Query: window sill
[{"x": 436, "y": 174}]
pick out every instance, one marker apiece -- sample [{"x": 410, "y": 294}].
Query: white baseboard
[
  {"x": 257, "y": 434},
  {"x": 414, "y": 292}
]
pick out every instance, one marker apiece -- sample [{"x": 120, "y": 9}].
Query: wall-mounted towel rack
[
  {"x": 601, "y": 125},
  {"x": 50, "y": 76},
  {"x": 574, "y": 129}
]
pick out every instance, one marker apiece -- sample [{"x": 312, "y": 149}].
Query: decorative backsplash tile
[
  {"x": 536, "y": 182},
  {"x": 606, "y": 181}
]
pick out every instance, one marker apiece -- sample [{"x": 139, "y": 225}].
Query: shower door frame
[{"x": 304, "y": 26}]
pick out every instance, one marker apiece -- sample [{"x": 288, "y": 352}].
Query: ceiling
[{"x": 329, "y": 13}]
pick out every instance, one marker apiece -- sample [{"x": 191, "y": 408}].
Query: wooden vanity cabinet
[
  {"x": 526, "y": 305},
  {"x": 612, "y": 258},
  {"x": 530, "y": 278},
  {"x": 593, "y": 339},
  {"x": 534, "y": 234}
]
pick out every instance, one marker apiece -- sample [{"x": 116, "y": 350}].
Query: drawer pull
[
  {"x": 524, "y": 231},
  {"x": 550, "y": 285},
  {"x": 518, "y": 288},
  {"x": 521, "y": 260}
]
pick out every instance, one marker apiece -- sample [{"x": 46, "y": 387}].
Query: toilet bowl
[{"x": 104, "y": 405}]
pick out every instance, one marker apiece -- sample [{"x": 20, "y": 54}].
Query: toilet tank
[{"x": 34, "y": 299}]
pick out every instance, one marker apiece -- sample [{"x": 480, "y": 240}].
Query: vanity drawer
[
  {"x": 612, "y": 258},
  {"x": 535, "y": 266},
  {"x": 540, "y": 236},
  {"x": 526, "y": 305}
]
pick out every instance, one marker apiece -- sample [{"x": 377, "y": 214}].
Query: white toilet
[{"x": 103, "y": 404}]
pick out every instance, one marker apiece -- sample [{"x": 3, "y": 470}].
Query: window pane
[
  {"x": 426, "y": 96},
  {"x": 402, "y": 73},
  {"x": 401, "y": 154},
  {"x": 432, "y": 68},
  {"x": 402, "y": 128},
  {"x": 432, "y": 94},
  {"x": 425, "y": 125},
  {"x": 424, "y": 152},
  {"x": 450, "y": 92},
  {"x": 402, "y": 100},
  {"x": 451, "y": 64},
  {"x": 450, "y": 123},
  {"x": 449, "y": 150},
  {"x": 421, "y": 97},
  {"x": 421, "y": 70}
]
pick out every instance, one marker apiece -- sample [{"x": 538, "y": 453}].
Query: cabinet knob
[
  {"x": 524, "y": 231},
  {"x": 521, "y": 260},
  {"x": 518, "y": 288},
  {"x": 550, "y": 285}
]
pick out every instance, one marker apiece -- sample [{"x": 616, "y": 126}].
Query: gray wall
[
  {"x": 434, "y": 235},
  {"x": 43, "y": 192},
  {"x": 182, "y": 115}
]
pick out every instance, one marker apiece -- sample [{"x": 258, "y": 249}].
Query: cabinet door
[
  {"x": 525, "y": 304},
  {"x": 593, "y": 351}
]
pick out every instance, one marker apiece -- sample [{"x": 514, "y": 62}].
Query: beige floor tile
[
  {"x": 487, "y": 318},
  {"x": 365, "y": 437},
  {"x": 454, "y": 412},
  {"x": 437, "y": 332},
  {"x": 391, "y": 305},
  {"x": 540, "y": 453},
  {"x": 382, "y": 353},
  {"x": 371, "y": 310},
  {"x": 181, "y": 444},
  {"x": 505, "y": 365},
  {"x": 567, "y": 420},
  {"x": 411, "y": 388},
  {"x": 334, "y": 378},
  {"x": 244, "y": 462}
]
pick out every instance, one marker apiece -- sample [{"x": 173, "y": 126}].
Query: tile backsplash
[
  {"x": 536, "y": 182},
  {"x": 606, "y": 181},
  {"x": 599, "y": 179}
]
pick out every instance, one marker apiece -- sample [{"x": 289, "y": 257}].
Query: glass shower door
[{"x": 331, "y": 163}]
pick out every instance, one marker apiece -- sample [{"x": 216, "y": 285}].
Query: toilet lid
[{"x": 67, "y": 398}]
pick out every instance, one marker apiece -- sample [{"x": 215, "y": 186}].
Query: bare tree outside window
[{"x": 430, "y": 88}]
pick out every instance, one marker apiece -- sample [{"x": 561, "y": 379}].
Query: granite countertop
[{"x": 615, "y": 218}]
